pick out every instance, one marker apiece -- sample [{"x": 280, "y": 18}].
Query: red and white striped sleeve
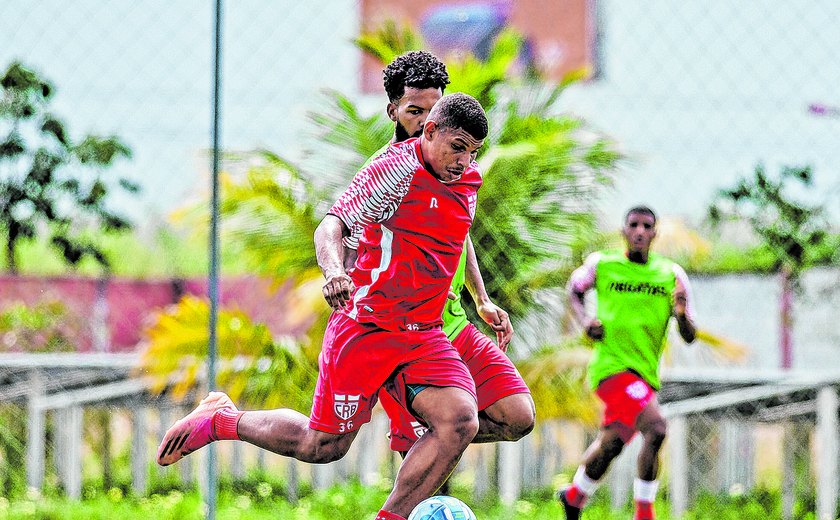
[
  {"x": 374, "y": 194},
  {"x": 583, "y": 278},
  {"x": 682, "y": 280}
]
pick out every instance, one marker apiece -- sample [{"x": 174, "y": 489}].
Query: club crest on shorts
[
  {"x": 419, "y": 429},
  {"x": 637, "y": 390},
  {"x": 345, "y": 405}
]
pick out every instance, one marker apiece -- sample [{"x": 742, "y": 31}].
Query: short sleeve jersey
[
  {"x": 454, "y": 316},
  {"x": 635, "y": 304},
  {"x": 409, "y": 229}
]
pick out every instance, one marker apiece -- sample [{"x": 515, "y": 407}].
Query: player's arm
[
  {"x": 581, "y": 281},
  {"x": 684, "y": 306},
  {"x": 330, "y": 253},
  {"x": 495, "y": 316},
  {"x": 350, "y": 254},
  {"x": 369, "y": 198}
]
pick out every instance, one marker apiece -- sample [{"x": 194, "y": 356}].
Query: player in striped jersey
[
  {"x": 408, "y": 214},
  {"x": 414, "y": 81},
  {"x": 638, "y": 293}
]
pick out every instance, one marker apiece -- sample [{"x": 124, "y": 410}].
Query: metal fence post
[
  {"x": 678, "y": 450},
  {"x": 36, "y": 432},
  {"x": 829, "y": 450}
]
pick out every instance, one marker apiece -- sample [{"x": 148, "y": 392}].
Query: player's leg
[
  {"x": 342, "y": 403},
  {"x": 625, "y": 395},
  {"x": 653, "y": 428},
  {"x": 286, "y": 432},
  {"x": 437, "y": 388},
  {"x": 452, "y": 419},
  {"x": 506, "y": 409},
  {"x": 603, "y": 450},
  {"x": 508, "y": 419},
  {"x": 404, "y": 428},
  {"x": 596, "y": 460}
]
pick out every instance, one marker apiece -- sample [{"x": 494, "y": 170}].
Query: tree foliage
[
  {"x": 47, "y": 326},
  {"x": 256, "y": 369},
  {"x": 271, "y": 215},
  {"x": 793, "y": 232},
  {"x": 49, "y": 182}
]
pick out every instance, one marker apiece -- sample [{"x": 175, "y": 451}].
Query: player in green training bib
[
  {"x": 414, "y": 82},
  {"x": 637, "y": 294}
]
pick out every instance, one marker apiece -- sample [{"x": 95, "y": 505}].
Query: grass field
[{"x": 258, "y": 500}]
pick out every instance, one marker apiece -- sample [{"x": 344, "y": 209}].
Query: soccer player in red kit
[
  {"x": 408, "y": 214},
  {"x": 414, "y": 81}
]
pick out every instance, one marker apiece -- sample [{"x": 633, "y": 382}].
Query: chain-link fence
[{"x": 691, "y": 95}]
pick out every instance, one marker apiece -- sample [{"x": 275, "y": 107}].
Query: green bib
[
  {"x": 454, "y": 317},
  {"x": 634, "y": 304}
]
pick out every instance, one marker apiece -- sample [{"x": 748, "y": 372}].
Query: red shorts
[
  {"x": 358, "y": 358},
  {"x": 494, "y": 374},
  {"x": 625, "y": 395}
]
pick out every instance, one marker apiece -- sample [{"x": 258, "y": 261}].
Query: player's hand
[
  {"x": 337, "y": 290},
  {"x": 499, "y": 321},
  {"x": 595, "y": 329},
  {"x": 680, "y": 300},
  {"x": 451, "y": 295}
]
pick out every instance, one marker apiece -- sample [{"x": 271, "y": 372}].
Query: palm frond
[
  {"x": 537, "y": 201},
  {"x": 389, "y": 41},
  {"x": 254, "y": 368},
  {"x": 346, "y": 139},
  {"x": 556, "y": 376}
]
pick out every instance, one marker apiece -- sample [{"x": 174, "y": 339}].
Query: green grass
[{"x": 257, "y": 498}]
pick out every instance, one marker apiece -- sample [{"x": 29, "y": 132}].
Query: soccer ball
[{"x": 442, "y": 508}]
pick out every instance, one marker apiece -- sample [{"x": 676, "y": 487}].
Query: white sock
[
  {"x": 584, "y": 483},
  {"x": 645, "y": 490}
]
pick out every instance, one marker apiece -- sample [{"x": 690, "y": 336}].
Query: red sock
[
  {"x": 644, "y": 511},
  {"x": 387, "y": 515},
  {"x": 225, "y": 422},
  {"x": 575, "y": 497}
]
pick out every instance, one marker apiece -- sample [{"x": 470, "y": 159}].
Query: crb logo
[
  {"x": 419, "y": 429},
  {"x": 345, "y": 406},
  {"x": 637, "y": 390}
]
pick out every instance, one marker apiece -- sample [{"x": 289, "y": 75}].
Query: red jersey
[{"x": 409, "y": 229}]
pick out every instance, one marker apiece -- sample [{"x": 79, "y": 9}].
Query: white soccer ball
[{"x": 442, "y": 508}]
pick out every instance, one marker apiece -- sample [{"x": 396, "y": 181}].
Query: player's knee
[
  {"x": 521, "y": 419},
  {"x": 465, "y": 426},
  {"x": 613, "y": 446},
  {"x": 458, "y": 424},
  {"x": 655, "y": 433},
  {"x": 322, "y": 448}
]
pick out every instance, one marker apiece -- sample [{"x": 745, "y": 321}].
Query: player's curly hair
[
  {"x": 415, "y": 69},
  {"x": 462, "y": 111}
]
